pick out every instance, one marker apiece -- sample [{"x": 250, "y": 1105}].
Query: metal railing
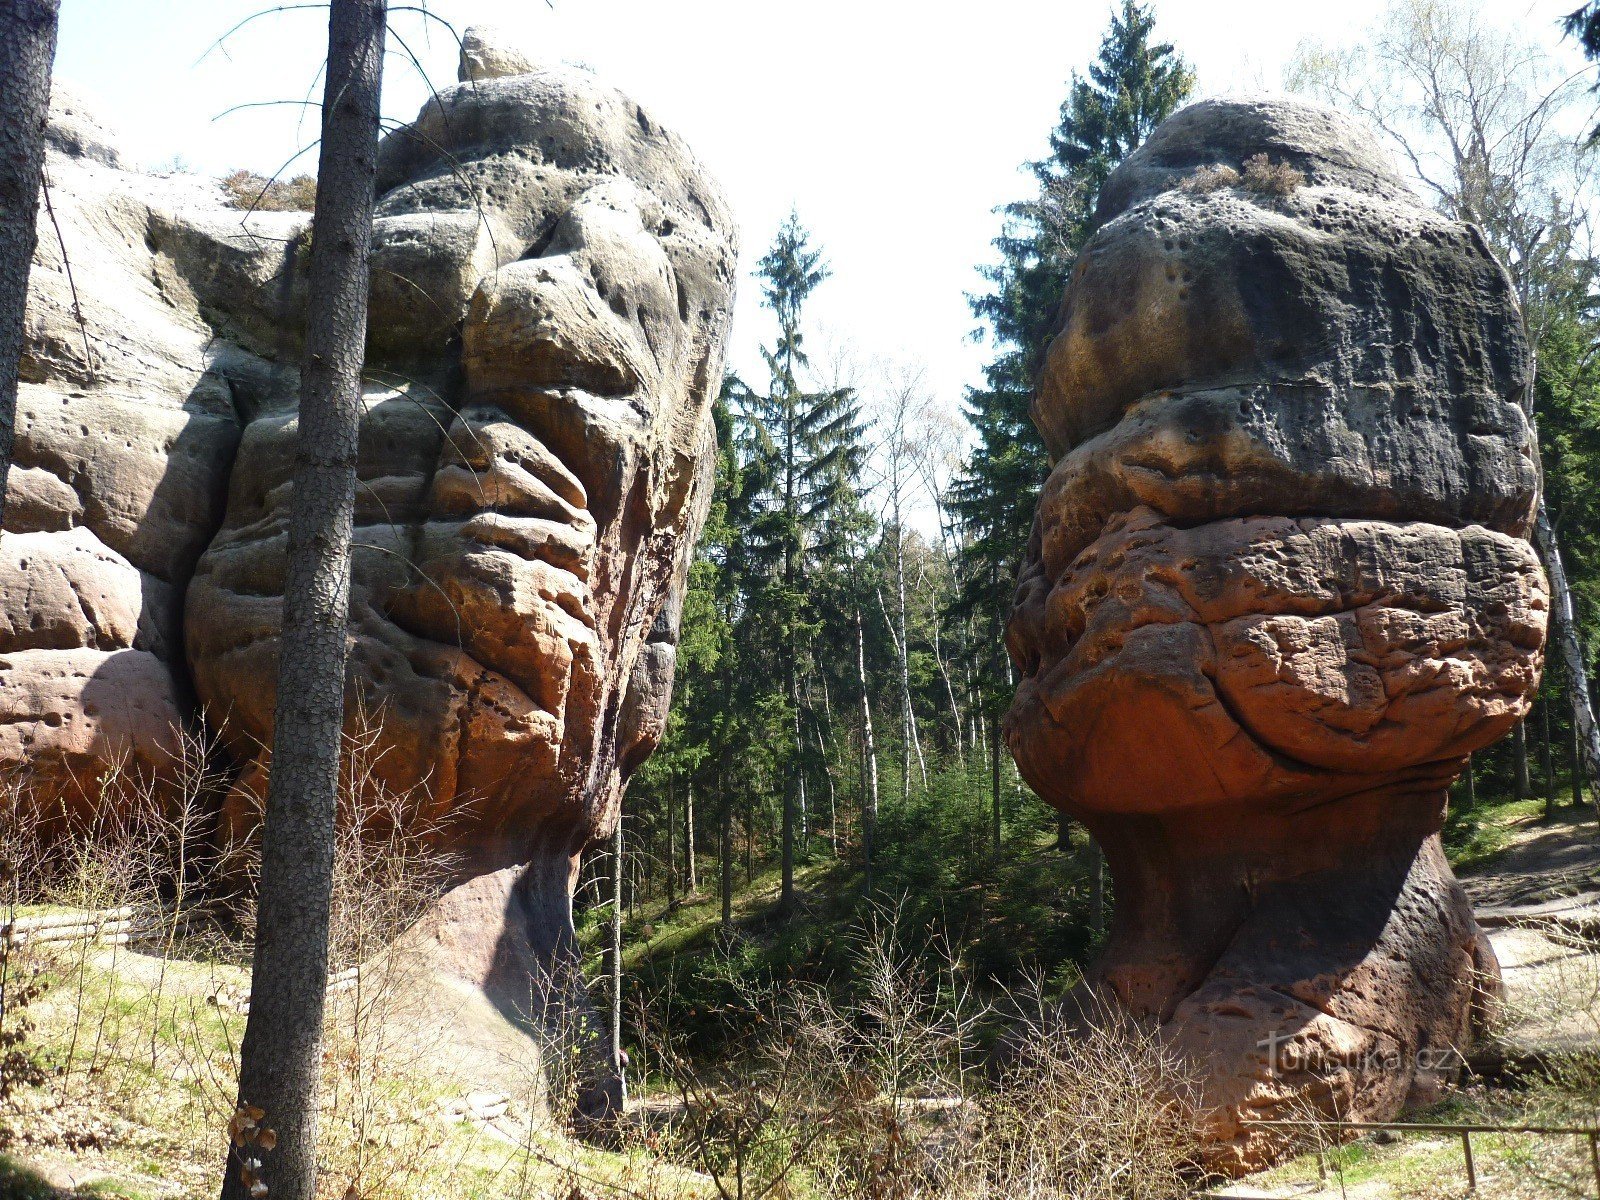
[{"x": 1465, "y": 1132}]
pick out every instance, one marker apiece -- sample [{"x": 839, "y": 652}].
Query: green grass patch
[
  {"x": 18, "y": 1182},
  {"x": 1475, "y": 837}
]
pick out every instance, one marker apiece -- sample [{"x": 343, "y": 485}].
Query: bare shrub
[
  {"x": 1210, "y": 179},
  {"x": 257, "y": 193},
  {"x": 821, "y": 1093},
  {"x": 1097, "y": 1108},
  {"x": 1260, "y": 174},
  {"x": 1263, "y": 175},
  {"x": 378, "y": 1042},
  {"x": 138, "y": 1020},
  {"x": 1557, "y": 1008},
  {"x": 20, "y": 984},
  {"x": 874, "y": 1095}
]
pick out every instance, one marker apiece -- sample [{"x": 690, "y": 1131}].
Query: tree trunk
[
  {"x": 1097, "y": 888},
  {"x": 615, "y": 1023},
  {"x": 725, "y": 866},
  {"x": 1519, "y": 746},
  {"x": 671, "y": 863},
  {"x": 803, "y": 811},
  {"x": 949, "y": 690},
  {"x": 1570, "y": 647},
  {"x": 869, "y": 808},
  {"x": 908, "y": 717},
  {"x": 791, "y": 787},
  {"x": 825, "y": 738},
  {"x": 1472, "y": 785},
  {"x": 827, "y": 776},
  {"x": 281, "y": 1054},
  {"x": 1547, "y": 762},
  {"x": 27, "y": 50},
  {"x": 644, "y": 866},
  {"x": 691, "y": 876},
  {"x": 1577, "y": 769},
  {"x": 994, "y": 779}
]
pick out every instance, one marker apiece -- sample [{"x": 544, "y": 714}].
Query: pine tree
[
  {"x": 802, "y": 455},
  {"x": 27, "y": 53},
  {"x": 1133, "y": 85},
  {"x": 1584, "y": 25},
  {"x": 280, "y": 1057}
]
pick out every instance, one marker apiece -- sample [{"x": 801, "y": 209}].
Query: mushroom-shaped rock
[{"x": 1279, "y": 588}]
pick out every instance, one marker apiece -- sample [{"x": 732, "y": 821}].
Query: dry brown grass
[
  {"x": 1260, "y": 175},
  {"x": 257, "y": 193},
  {"x": 884, "y": 1096}
]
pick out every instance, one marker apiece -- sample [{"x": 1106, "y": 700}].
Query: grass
[
  {"x": 1477, "y": 836},
  {"x": 156, "y": 1133},
  {"x": 1427, "y": 1166},
  {"x": 20, "y": 1182}
]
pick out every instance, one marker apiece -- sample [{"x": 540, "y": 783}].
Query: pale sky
[{"x": 895, "y": 128}]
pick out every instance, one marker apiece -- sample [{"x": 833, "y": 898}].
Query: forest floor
[{"x": 142, "y": 1046}]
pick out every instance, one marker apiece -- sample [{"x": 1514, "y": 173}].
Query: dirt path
[{"x": 1544, "y": 862}]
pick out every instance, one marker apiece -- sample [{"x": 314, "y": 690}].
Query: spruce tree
[
  {"x": 1131, "y": 88},
  {"x": 274, "y": 1130},
  {"x": 802, "y": 454},
  {"x": 1133, "y": 85}
]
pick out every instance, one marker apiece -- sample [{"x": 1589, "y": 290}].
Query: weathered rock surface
[
  {"x": 1279, "y": 587},
  {"x": 552, "y": 282}
]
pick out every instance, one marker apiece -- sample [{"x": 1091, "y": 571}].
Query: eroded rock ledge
[{"x": 552, "y": 281}]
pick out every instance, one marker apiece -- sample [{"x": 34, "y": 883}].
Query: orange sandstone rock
[
  {"x": 1279, "y": 588},
  {"x": 552, "y": 283}
]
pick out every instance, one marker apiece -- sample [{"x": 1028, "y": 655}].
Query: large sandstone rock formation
[
  {"x": 1279, "y": 587},
  {"x": 553, "y": 277}
]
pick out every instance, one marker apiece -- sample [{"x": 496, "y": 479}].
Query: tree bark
[
  {"x": 908, "y": 718},
  {"x": 1577, "y": 769},
  {"x": 615, "y": 939},
  {"x": 725, "y": 866},
  {"x": 949, "y": 690},
  {"x": 27, "y": 51},
  {"x": 994, "y": 779},
  {"x": 1547, "y": 762},
  {"x": 1570, "y": 647},
  {"x": 280, "y": 1056},
  {"x": 793, "y": 799},
  {"x": 869, "y": 808},
  {"x": 1097, "y": 888},
  {"x": 827, "y": 775},
  {"x": 691, "y": 876},
  {"x": 1519, "y": 762},
  {"x": 670, "y": 863}
]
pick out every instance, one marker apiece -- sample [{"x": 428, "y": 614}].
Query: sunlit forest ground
[{"x": 818, "y": 1055}]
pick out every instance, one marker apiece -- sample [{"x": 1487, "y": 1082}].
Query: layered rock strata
[
  {"x": 1279, "y": 587},
  {"x": 552, "y": 283}
]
